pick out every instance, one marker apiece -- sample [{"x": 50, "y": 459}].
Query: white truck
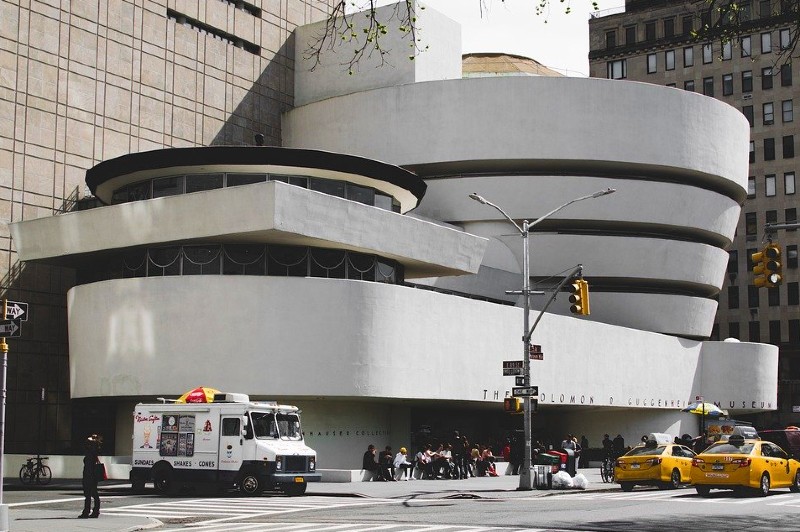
[{"x": 230, "y": 442}]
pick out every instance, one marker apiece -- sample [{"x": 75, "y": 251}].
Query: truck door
[{"x": 230, "y": 443}]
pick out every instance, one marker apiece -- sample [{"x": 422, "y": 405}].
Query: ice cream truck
[{"x": 230, "y": 442}]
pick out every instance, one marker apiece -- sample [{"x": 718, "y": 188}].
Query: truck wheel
[
  {"x": 163, "y": 481},
  {"x": 294, "y": 490},
  {"x": 250, "y": 484}
]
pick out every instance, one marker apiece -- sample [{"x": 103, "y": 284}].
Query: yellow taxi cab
[
  {"x": 655, "y": 463},
  {"x": 740, "y": 463}
]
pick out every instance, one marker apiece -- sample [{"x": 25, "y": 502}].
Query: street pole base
[{"x": 523, "y": 488}]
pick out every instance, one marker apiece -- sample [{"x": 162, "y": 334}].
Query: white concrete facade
[{"x": 365, "y": 359}]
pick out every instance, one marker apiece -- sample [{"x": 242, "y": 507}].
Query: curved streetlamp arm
[
  {"x": 570, "y": 202},
  {"x": 481, "y": 199},
  {"x": 578, "y": 270}
]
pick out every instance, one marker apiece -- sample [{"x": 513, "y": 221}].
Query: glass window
[
  {"x": 733, "y": 261},
  {"x": 164, "y": 261},
  {"x": 788, "y": 183},
  {"x": 787, "y": 110},
  {"x": 788, "y": 146},
  {"x": 650, "y": 31},
  {"x": 750, "y": 223},
  {"x": 688, "y": 85},
  {"x": 752, "y": 154},
  {"x": 688, "y": 56},
  {"x": 764, "y": 9},
  {"x": 755, "y": 334},
  {"x": 201, "y": 260},
  {"x": 669, "y": 27},
  {"x": 733, "y": 330},
  {"x": 751, "y": 186},
  {"x": 745, "y": 46},
  {"x": 769, "y": 185},
  {"x": 727, "y": 84},
  {"x": 167, "y": 186},
  {"x": 733, "y": 297},
  {"x": 791, "y": 256},
  {"x": 687, "y": 24},
  {"x": 264, "y": 426},
  {"x": 327, "y": 186},
  {"x": 766, "y": 78},
  {"x": 669, "y": 60},
  {"x": 630, "y": 35},
  {"x": 611, "y": 39},
  {"x": 747, "y": 81},
  {"x": 773, "y": 296},
  {"x": 794, "y": 331},
  {"x": 708, "y": 86},
  {"x": 747, "y": 111},
  {"x": 328, "y": 263},
  {"x": 383, "y": 201},
  {"x": 775, "y": 338},
  {"x": 769, "y": 151},
  {"x": 200, "y": 182},
  {"x": 244, "y": 259},
  {"x": 768, "y": 111},
  {"x": 786, "y": 75},
  {"x": 790, "y": 215},
  {"x": 708, "y": 53},
  {"x": 786, "y": 38},
  {"x": 726, "y": 51},
  {"x": 235, "y": 180},
  {"x": 752, "y": 296},
  {"x": 793, "y": 293},
  {"x": 617, "y": 69},
  {"x": 139, "y": 191},
  {"x": 651, "y": 63},
  {"x": 361, "y": 194},
  {"x": 771, "y": 216},
  {"x": 766, "y": 43},
  {"x": 230, "y": 426}
]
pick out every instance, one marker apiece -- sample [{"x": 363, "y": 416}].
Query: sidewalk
[{"x": 43, "y": 518}]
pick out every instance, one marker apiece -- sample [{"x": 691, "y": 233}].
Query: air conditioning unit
[{"x": 747, "y": 97}]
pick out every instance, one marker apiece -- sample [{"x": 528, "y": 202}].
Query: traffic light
[
  {"x": 512, "y": 405},
  {"x": 767, "y": 266},
  {"x": 579, "y": 297}
]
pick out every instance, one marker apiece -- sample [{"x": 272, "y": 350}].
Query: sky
[{"x": 555, "y": 39}]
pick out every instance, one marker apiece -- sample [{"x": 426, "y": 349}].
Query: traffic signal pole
[{"x": 4, "y": 349}]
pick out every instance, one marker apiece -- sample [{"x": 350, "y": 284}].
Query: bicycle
[
  {"x": 607, "y": 469},
  {"x": 35, "y": 471}
]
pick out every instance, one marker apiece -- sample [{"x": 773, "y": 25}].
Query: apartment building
[{"x": 651, "y": 41}]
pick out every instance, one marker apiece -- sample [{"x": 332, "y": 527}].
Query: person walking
[{"x": 90, "y": 479}]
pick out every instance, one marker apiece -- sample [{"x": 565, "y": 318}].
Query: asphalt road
[{"x": 443, "y": 506}]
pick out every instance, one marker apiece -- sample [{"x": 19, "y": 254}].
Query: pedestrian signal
[
  {"x": 512, "y": 405},
  {"x": 579, "y": 298}
]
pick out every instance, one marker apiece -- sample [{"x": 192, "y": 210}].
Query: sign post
[{"x": 10, "y": 327}]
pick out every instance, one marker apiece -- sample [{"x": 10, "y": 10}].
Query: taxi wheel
[
  {"x": 675, "y": 479},
  {"x": 796, "y": 484},
  {"x": 703, "y": 491},
  {"x": 626, "y": 486},
  {"x": 763, "y": 489}
]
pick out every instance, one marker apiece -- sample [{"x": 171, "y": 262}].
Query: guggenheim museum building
[{"x": 348, "y": 271}]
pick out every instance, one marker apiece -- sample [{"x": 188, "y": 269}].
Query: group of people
[{"x": 450, "y": 460}]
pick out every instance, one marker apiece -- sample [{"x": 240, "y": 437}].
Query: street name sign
[
  {"x": 10, "y": 328},
  {"x": 525, "y": 391},
  {"x": 513, "y": 364},
  {"x": 519, "y": 381},
  {"x": 510, "y": 372},
  {"x": 537, "y": 356},
  {"x": 16, "y": 311}
]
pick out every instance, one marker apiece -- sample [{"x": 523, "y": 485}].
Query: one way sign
[
  {"x": 16, "y": 311},
  {"x": 10, "y": 329}
]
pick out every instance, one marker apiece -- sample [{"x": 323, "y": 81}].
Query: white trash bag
[
  {"x": 562, "y": 480},
  {"x": 580, "y": 482}
]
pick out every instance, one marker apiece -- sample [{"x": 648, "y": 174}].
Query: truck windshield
[{"x": 274, "y": 426}]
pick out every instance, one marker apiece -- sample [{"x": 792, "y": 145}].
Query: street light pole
[{"x": 525, "y": 473}]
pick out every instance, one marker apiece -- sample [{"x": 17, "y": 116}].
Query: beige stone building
[
  {"x": 651, "y": 42},
  {"x": 84, "y": 82}
]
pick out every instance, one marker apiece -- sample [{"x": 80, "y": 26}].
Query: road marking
[{"x": 350, "y": 527}]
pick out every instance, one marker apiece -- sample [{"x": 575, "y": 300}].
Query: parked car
[
  {"x": 787, "y": 439},
  {"x": 666, "y": 465},
  {"x": 741, "y": 464}
]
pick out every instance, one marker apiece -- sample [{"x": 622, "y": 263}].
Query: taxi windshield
[
  {"x": 273, "y": 426},
  {"x": 729, "y": 448},
  {"x": 643, "y": 450}
]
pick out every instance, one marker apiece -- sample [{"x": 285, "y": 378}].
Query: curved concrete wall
[
  {"x": 658, "y": 241},
  {"x": 550, "y": 119},
  {"x": 352, "y": 339}
]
